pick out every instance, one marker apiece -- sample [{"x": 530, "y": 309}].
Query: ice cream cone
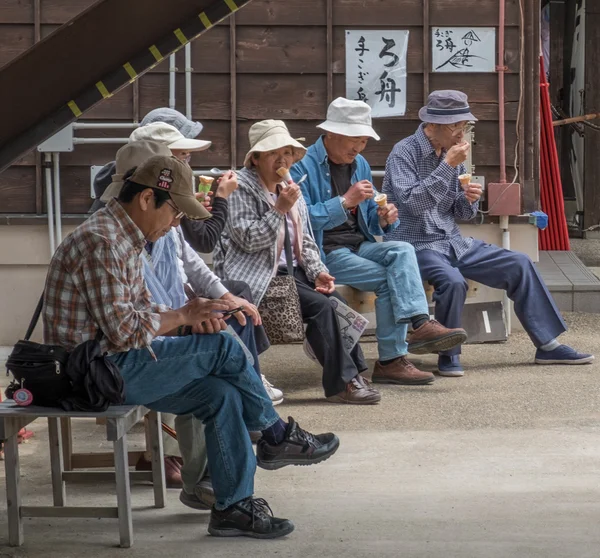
[
  {"x": 465, "y": 179},
  {"x": 285, "y": 174},
  {"x": 381, "y": 200}
]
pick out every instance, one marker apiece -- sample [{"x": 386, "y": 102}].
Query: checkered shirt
[
  {"x": 95, "y": 279},
  {"x": 429, "y": 197}
]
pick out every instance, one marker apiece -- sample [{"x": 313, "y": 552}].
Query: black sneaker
[
  {"x": 251, "y": 517},
  {"x": 298, "y": 448}
]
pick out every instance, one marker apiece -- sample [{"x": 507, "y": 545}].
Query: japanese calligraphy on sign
[
  {"x": 376, "y": 70},
  {"x": 463, "y": 49}
]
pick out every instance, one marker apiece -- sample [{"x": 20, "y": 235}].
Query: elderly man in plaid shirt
[
  {"x": 422, "y": 179},
  {"x": 95, "y": 284},
  {"x": 337, "y": 185}
]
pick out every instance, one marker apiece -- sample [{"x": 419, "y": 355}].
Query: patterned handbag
[{"x": 280, "y": 307}]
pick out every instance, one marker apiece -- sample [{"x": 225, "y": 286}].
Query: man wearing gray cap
[
  {"x": 422, "y": 179},
  {"x": 339, "y": 193}
]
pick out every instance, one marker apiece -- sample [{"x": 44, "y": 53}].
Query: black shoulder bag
[{"x": 83, "y": 379}]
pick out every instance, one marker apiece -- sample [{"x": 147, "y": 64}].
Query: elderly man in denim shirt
[
  {"x": 422, "y": 178},
  {"x": 339, "y": 193}
]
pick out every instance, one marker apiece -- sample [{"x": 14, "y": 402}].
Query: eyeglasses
[
  {"x": 178, "y": 214},
  {"x": 466, "y": 129}
]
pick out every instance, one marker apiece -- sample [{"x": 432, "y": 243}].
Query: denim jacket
[{"x": 326, "y": 212}]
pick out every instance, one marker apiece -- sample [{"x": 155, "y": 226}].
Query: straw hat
[{"x": 269, "y": 135}]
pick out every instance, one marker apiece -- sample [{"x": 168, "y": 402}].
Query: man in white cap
[
  {"x": 95, "y": 282},
  {"x": 422, "y": 179},
  {"x": 345, "y": 218}
]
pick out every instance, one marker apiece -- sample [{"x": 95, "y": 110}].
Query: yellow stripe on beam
[
  {"x": 129, "y": 69},
  {"x": 180, "y": 36},
  {"x": 103, "y": 91},
  {"x": 231, "y": 5},
  {"x": 73, "y": 106},
  {"x": 156, "y": 53},
  {"x": 205, "y": 21}
]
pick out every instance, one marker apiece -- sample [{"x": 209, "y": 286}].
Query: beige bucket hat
[
  {"x": 269, "y": 135},
  {"x": 129, "y": 156}
]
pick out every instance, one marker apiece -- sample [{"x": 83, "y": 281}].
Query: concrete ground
[{"x": 502, "y": 462}]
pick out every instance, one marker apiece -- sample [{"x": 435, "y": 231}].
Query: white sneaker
[{"x": 276, "y": 395}]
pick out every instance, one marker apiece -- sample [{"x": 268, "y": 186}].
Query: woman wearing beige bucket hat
[{"x": 252, "y": 249}]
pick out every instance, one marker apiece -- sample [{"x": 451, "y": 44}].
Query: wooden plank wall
[{"x": 281, "y": 71}]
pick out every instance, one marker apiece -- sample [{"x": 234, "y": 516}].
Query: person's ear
[{"x": 145, "y": 199}]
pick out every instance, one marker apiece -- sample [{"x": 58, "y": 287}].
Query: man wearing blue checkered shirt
[{"x": 422, "y": 179}]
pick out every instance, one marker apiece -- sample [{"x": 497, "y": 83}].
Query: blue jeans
[
  {"x": 389, "y": 269},
  {"x": 209, "y": 377},
  {"x": 498, "y": 268}
]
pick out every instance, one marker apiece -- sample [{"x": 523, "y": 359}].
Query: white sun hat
[
  {"x": 162, "y": 132},
  {"x": 349, "y": 118}
]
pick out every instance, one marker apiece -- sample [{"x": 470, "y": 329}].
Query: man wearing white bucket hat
[
  {"x": 427, "y": 180},
  {"x": 345, "y": 218}
]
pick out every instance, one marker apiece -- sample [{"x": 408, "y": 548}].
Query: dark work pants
[
  {"x": 254, "y": 337},
  {"x": 323, "y": 334}
]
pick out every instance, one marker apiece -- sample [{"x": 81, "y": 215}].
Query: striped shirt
[
  {"x": 429, "y": 197},
  {"x": 95, "y": 280}
]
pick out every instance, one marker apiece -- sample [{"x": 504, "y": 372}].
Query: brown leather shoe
[
  {"x": 401, "y": 371},
  {"x": 172, "y": 469},
  {"x": 433, "y": 337},
  {"x": 357, "y": 392}
]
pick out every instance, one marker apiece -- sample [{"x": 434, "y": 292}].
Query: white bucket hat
[
  {"x": 269, "y": 135},
  {"x": 349, "y": 118},
  {"x": 168, "y": 135}
]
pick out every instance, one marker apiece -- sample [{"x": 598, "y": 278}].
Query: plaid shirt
[
  {"x": 429, "y": 197},
  {"x": 95, "y": 279},
  {"x": 247, "y": 248}
]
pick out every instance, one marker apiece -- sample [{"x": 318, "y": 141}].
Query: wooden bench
[
  {"x": 364, "y": 302},
  {"x": 119, "y": 420}
]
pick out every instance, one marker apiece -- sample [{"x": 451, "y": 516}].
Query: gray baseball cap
[
  {"x": 187, "y": 127},
  {"x": 447, "y": 107}
]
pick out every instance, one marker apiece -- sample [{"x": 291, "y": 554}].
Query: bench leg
[
  {"x": 158, "y": 462},
  {"x": 123, "y": 492},
  {"x": 67, "y": 441},
  {"x": 13, "y": 492},
  {"x": 56, "y": 462}
]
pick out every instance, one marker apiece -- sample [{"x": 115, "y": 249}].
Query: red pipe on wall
[{"x": 501, "y": 68}]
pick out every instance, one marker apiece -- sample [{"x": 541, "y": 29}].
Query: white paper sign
[
  {"x": 463, "y": 49},
  {"x": 376, "y": 70}
]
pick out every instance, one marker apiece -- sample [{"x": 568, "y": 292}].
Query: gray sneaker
[{"x": 203, "y": 497}]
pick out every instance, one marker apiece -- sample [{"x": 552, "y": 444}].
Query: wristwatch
[{"x": 344, "y": 203}]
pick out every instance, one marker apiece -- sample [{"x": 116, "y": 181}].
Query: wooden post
[
  {"x": 233, "y": 86},
  {"x": 426, "y": 51},
  {"x": 123, "y": 491},
  {"x": 591, "y": 188},
  {"x": 39, "y": 194},
  {"x": 56, "y": 462},
  {"x": 329, "y": 52},
  {"x": 13, "y": 490}
]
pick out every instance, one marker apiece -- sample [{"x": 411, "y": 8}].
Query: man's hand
[
  {"x": 287, "y": 198},
  {"x": 202, "y": 309},
  {"x": 388, "y": 215},
  {"x": 324, "y": 283},
  {"x": 227, "y": 185},
  {"x": 358, "y": 193},
  {"x": 473, "y": 192},
  {"x": 213, "y": 325},
  {"x": 457, "y": 154},
  {"x": 249, "y": 309}
]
